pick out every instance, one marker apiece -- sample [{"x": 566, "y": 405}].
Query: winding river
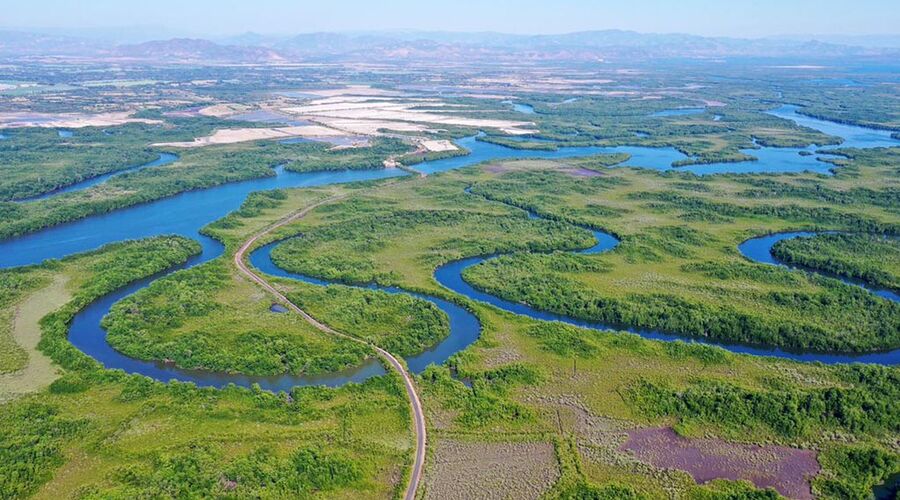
[
  {"x": 185, "y": 214},
  {"x": 450, "y": 275}
]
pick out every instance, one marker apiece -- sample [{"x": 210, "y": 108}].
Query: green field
[
  {"x": 532, "y": 409},
  {"x": 533, "y": 379}
]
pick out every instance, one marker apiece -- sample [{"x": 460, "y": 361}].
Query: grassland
[
  {"x": 583, "y": 391},
  {"x": 15, "y": 286},
  {"x": 96, "y": 433},
  {"x": 530, "y": 399},
  {"x": 212, "y": 318},
  {"x": 575, "y": 390}
]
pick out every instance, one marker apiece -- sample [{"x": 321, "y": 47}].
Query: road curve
[{"x": 415, "y": 404}]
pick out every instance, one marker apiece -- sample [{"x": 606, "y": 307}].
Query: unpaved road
[{"x": 414, "y": 402}]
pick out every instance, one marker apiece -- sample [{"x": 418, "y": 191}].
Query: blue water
[
  {"x": 186, "y": 213},
  {"x": 295, "y": 140},
  {"x": 164, "y": 159},
  {"x": 844, "y": 82},
  {"x": 264, "y": 116},
  {"x": 889, "y": 489},
  {"x": 680, "y": 112},
  {"x": 655, "y": 158},
  {"x": 183, "y": 214},
  {"x": 450, "y": 276},
  {"x": 527, "y": 109},
  {"x": 86, "y": 334},
  {"x": 65, "y": 133},
  {"x": 853, "y": 136},
  {"x": 760, "y": 250},
  {"x": 528, "y": 138},
  {"x": 770, "y": 159}
]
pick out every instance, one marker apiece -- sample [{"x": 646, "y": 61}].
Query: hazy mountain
[
  {"x": 190, "y": 49},
  {"x": 251, "y": 38},
  {"x": 880, "y": 41},
  {"x": 586, "y": 45},
  {"x": 412, "y": 45},
  {"x": 115, "y": 35},
  {"x": 18, "y": 43}
]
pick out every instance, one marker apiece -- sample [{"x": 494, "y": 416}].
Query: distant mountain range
[{"x": 448, "y": 46}]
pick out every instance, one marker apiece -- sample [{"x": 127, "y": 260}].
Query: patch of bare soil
[
  {"x": 787, "y": 470},
  {"x": 439, "y": 146},
  {"x": 222, "y": 110},
  {"x": 231, "y": 136},
  {"x": 40, "y": 371},
  {"x": 497, "y": 168},
  {"x": 583, "y": 172},
  {"x": 600, "y": 439},
  {"x": 368, "y": 115},
  {"x": 68, "y": 120},
  {"x": 490, "y": 470}
]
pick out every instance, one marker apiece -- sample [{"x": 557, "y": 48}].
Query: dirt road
[{"x": 414, "y": 402}]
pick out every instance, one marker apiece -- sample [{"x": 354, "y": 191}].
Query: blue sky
[{"x": 740, "y": 18}]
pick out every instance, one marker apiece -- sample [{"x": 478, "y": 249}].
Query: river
[{"x": 186, "y": 213}]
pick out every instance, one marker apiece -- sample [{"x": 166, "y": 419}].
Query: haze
[{"x": 702, "y": 17}]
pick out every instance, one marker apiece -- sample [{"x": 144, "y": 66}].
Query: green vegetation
[
  {"x": 346, "y": 251},
  {"x": 319, "y": 156},
  {"x": 854, "y": 470},
  {"x": 870, "y": 405},
  {"x": 401, "y": 324},
  {"x": 526, "y": 143},
  {"x": 875, "y": 260},
  {"x": 38, "y": 160},
  {"x": 204, "y": 318},
  {"x": 120, "y": 436},
  {"x": 201, "y": 318},
  {"x": 196, "y": 168},
  {"x": 612, "y": 121},
  {"x": 146, "y": 439},
  {"x": 589, "y": 287},
  {"x": 545, "y": 282},
  {"x": 108, "y": 269},
  {"x": 96, "y": 433},
  {"x": 487, "y": 403},
  {"x": 417, "y": 157},
  {"x": 32, "y": 434},
  {"x": 671, "y": 262},
  {"x": 14, "y": 285}
]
